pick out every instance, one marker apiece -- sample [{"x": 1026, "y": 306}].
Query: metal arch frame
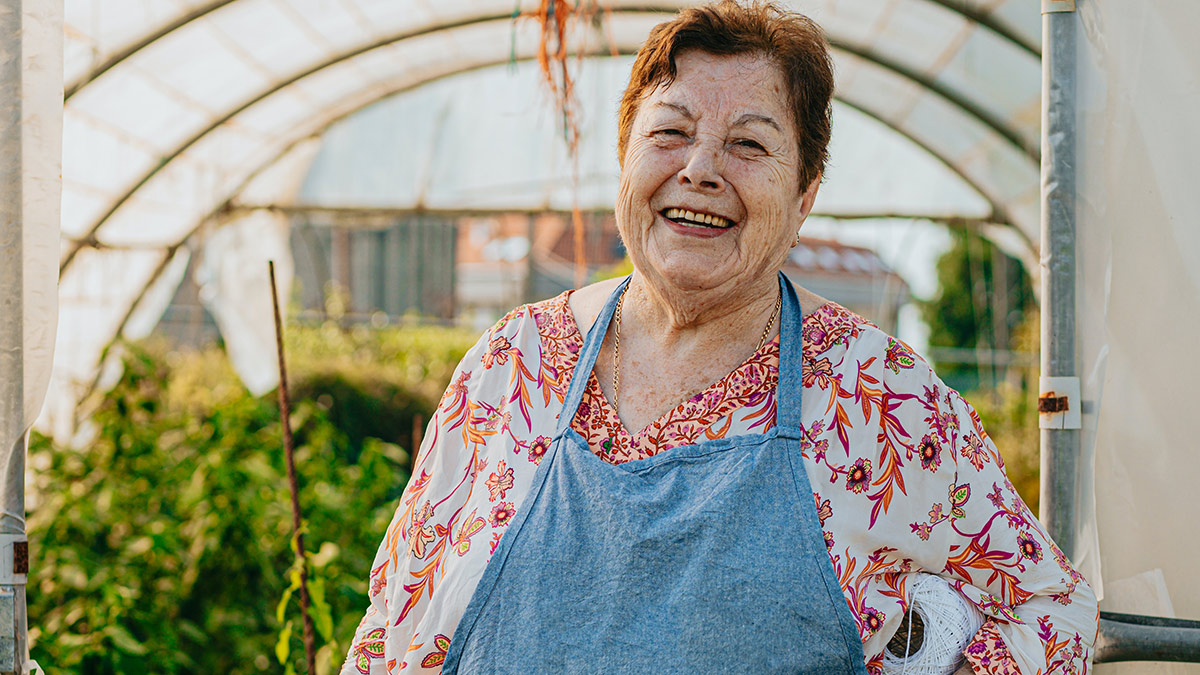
[
  {"x": 969, "y": 109},
  {"x": 984, "y": 18},
  {"x": 139, "y": 44},
  {"x": 1032, "y": 150},
  {"x": 959, "y": 7},
  {"x": 999, "y": 216}
]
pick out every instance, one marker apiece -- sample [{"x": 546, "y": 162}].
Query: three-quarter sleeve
[
  {"x": 1041, "y": 615},
  {"x": 478, "y": 457},
  {"x": 409, "y": 564}
]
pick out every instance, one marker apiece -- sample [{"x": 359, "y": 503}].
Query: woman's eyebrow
[
  {"x": 762, "y": 119},
  {"x": 682, "y": 110},
  {"x": 748, "y": 118}
]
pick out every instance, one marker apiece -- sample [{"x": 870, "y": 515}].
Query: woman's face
[{"x": 709, "y": 194}]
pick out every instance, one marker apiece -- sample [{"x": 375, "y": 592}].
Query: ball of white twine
[{"x": 950, "y": 623}]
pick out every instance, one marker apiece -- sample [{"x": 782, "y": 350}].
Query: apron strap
[
  {"x": 791, "y": 361},
  {"x": 791, "y": 357},
  {"x": 587, "y": 358}
]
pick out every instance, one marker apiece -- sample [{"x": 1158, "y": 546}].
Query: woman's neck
[{"x": 674, "y": 318}]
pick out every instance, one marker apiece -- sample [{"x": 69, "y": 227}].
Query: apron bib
[{"x": 702, "y": 558}]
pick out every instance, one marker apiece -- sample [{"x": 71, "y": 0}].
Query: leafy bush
[
  {"x": 164, "y": 544},
  {"x": 1009, "y": 414}
]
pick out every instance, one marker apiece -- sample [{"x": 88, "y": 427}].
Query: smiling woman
[{"x": 748, "y": 486}]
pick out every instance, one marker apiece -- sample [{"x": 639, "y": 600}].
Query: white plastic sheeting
[
  {"x": 235, "y": 287},
  {"x": 176, "y": 105},
  {"x": 1138, "y": 90},
  {"x": 30, "y": 137},
  {"x": 30, "y": 226},
  {"x": 434, "y": 148}
]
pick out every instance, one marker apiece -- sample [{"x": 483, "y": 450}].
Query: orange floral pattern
[{"x": 905, "y": 480}]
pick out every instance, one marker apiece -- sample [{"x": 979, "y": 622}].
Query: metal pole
[
  {"x": 14, "y": 649},
  {"x": 1132, "y": 637},
  {"x": 1059, "y": 446},
  {"x": 1122, "y": 637}
]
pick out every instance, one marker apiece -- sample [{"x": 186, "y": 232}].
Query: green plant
[{"x": 163, "y": 544}]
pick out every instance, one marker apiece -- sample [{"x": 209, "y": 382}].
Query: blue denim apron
[{"x": 702, "y": 558}]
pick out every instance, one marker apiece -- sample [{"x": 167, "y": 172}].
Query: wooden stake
[
  {"x": 418, "y": 427},
  {"x": 285, "y": 414}
]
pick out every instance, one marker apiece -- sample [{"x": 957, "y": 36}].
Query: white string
[
  {"x": 950, "y": 623},
  {"x": 908, "y": 640}
]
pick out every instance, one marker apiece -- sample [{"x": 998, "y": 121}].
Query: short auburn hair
[{"x": 793, "y": 41}]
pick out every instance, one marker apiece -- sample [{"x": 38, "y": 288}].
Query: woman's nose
[{"x": 702, "y": 170}]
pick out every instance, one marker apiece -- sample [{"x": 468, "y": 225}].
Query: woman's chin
[{"x": 695, "y": 274}]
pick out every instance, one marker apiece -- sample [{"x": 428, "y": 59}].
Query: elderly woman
[{"x": 701, "y": 468}]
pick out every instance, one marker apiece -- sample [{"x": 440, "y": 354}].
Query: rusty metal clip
[
  {"x": 1059, "y": 403},
  {"x": 1049, "y": 403}
]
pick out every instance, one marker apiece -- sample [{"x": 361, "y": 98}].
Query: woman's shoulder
[
  {"x": 585, "y": 304},
  {"x": 849, "y": 340},
  {"x": 545, "y": 329},
  {"x": 551, "y": 315}
]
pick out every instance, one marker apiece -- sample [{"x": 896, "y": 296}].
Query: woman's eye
[
  {"x": 747, "y": 143},
  {"x": 669, "y": 132}
]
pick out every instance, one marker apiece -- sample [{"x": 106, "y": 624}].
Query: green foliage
[
  {"x": 619, "y": 269},
  {"x": 164, "y": 544},
  {"x": 983, "y": 298},
  {"x": 1009, "y": 414}
]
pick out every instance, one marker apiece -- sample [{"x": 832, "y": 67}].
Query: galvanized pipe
[
  {"x": 1131, "y": 637},
  {"x": 1122, "y": 637},
  {"x": 13, "y": 645},
  {"x": 1059, "y": 447}
]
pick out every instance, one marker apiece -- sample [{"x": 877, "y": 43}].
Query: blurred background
[{"x": 415, "y": 172}]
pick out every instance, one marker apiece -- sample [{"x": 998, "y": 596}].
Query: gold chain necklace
[{"x": 617, "y": 341}]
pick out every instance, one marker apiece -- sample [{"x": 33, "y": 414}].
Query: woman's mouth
[{"x": 692, "y": 219}]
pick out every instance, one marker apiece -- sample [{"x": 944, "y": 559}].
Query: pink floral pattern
[
  {"x": 905, "y": 480},
  {"x": 745, "y": 395},
  {"x": 987, "y": 653}
]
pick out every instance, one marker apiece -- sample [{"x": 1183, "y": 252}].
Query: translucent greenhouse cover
[
  {"x": 29, "y": 166},
  {"x": 176, "y": 110},
  {"x": 1138, "y": 289}
]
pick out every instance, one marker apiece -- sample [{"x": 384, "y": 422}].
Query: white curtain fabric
[
  {"x": 235, "y": 288},
  {"x": 36, "y": 217}
]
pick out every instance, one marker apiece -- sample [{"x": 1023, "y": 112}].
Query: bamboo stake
[{"x": 285, "y": 414}]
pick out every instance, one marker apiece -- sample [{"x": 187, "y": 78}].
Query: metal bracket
[
  {"x": 14, "y": 559},
  {"x": 1052, "y": 6},
  {"x": 1059, "y": 403}
]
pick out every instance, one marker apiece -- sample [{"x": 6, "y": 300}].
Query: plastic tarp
[
  {"x": 434, "y": 148},
  {"x": 176, "y": 106},
  {"x": 31, "y": 106},
  {"x": 1138, "y": 88}
]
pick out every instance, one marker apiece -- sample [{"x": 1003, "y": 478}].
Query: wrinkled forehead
[{"x": 722, "y": 88}]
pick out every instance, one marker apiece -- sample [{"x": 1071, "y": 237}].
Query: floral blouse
[{"x": 905, "y": 479}]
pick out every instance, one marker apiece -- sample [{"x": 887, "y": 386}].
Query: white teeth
[{"x": 701, "y": 218}]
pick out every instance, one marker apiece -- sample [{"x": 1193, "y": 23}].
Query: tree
[{"x": 984, "y": 299}]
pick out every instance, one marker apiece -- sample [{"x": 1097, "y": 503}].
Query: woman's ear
[{"x": 809, "y": 196}]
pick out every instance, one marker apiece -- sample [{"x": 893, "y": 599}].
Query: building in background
[
  {"x": 851, "y": 276},
  {"x": 471, "y": 270}
]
